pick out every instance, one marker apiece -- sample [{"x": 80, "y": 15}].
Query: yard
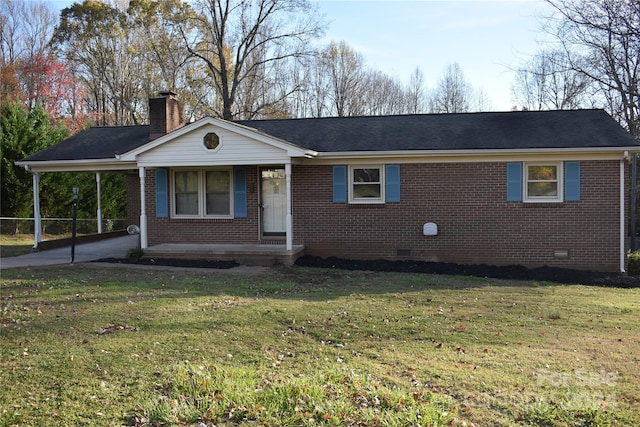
[{"x": 126, "y": 345}]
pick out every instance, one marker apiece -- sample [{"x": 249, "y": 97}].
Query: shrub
[
  {"x": 633, "y": 259},
  {"x": 135, "y": 254}
]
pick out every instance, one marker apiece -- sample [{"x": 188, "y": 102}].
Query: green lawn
[
  {"x": 15, "y": 244},
  {"x": 88, "y": 345}
]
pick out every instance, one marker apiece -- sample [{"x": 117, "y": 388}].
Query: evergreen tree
[{"x": 22, "y": 133}]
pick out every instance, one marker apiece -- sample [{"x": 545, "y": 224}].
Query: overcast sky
[{"x": 487, "y": 38}]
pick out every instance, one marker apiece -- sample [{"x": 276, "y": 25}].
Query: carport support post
[
  {"x": 37, "y": 218},
  {"x": 99, "y": 213}
]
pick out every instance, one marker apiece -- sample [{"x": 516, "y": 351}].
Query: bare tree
[
  {"x": 382, "y": 95},
  {"x": 344, "y": 69},
  {"x": 25, "y": 29},
  {"x": 238, "y": 41},
  {"x": 453, "y": 93},
  {"x": 94, "y": 37},
  {"x": 416, "y": 93},
  {"x": 482, "y": 101},
  {"x": 548, "y": 82},
  {"x": 607, "y": 34}
]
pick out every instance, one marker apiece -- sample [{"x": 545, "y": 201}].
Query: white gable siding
[{"x": 234, "y": 149}]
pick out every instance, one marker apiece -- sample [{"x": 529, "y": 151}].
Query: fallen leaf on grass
[{"x": 110, "y": 328}]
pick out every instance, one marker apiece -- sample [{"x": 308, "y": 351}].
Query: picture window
[{"x": 203, "y": 193}]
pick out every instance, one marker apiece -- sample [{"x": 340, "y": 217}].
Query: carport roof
[{"x": 95, "y": 143}]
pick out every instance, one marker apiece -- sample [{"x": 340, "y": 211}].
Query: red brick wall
[
  {"x": 466, "y": 200},
  {"x": 475, "y": 222},
  {"x": 201, "y": 230},
  {"x": 133, "y": 198}
]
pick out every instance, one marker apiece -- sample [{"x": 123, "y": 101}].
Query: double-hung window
[
  {"x": 366, "y": 184},
  {"x": 203, "y": 193},
  {"x": 543, "y": 182}
]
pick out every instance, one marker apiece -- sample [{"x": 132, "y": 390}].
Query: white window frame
[
  {"x": 544, "y": 199},
  {"x": 367, "y": 200},
  {"x": 201, "y": 193}
]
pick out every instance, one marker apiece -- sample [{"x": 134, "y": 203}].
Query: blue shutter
[
  {"x": 339, "y": 184},
  {"x": 514, "y": 182},
  {"x": 572, "y": 181},
  {"x": 239, "y": 192},
  {"x": 162, "y": 193},
  {"x": 392, "y": 183}
]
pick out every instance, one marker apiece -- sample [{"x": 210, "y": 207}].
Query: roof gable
[{"x": 238, "y": 145}]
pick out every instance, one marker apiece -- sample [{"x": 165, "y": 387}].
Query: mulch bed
[{"x": 512, "y": 272}]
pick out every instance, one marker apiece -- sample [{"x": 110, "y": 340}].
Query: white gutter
[
  {"x": 474, "y": 152},
  {"x": 91, "y": 165}
]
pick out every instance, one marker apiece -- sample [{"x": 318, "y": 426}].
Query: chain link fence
[{"x": 59, "y": 226}]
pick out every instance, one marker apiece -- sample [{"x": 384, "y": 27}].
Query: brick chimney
[{"x": 166, "y": 114}]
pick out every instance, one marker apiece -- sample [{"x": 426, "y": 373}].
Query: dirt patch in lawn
[
  {"x": 174, "y": 262},
  {"x": 512, "y": 272}
]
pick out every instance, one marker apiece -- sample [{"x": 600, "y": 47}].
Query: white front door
[{"x": 273, "y": 201}]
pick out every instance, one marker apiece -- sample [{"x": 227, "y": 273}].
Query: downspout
[
  {"x": 622, "y": 222},
  {"x": 143, "y": 212},
  {"x": 289, "y": 216}
]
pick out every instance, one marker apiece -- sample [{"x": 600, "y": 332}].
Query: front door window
[{"x": 274, "y": 201}]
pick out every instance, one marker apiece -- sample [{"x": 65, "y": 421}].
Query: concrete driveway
[{"x": 116, "y": 247}]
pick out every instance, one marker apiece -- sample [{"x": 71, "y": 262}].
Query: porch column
[
  {"x": 289, "y": 217},
  {"x": 143, "y": 212},
  {"x": 99, "y": 213},
  {"x": 37, "y": 218}
]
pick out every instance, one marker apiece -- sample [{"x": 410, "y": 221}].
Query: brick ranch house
[{"x": 501, "y": 188}]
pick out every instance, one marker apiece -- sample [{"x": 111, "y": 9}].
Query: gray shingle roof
[
  {"x": 95, "y": 143},
  {"x": 470, "y": 131},
  {"x": 506, "y": 130}
]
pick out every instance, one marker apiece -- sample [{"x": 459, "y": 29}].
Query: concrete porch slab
[{"x": 245, "y": 254}]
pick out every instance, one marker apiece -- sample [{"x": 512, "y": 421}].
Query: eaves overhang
[
  {"x": 84, "y": 165},
  {"x": 477, "y": 155}
]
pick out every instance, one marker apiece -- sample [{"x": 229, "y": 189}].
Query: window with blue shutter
[
  {"x": 392, "y": 183},
  {"x": 240, "y": 192},
  {"x": 514, "y": 182},
  {"x": 572, "y": 181},
  {"x": 162, "y": 193},
  {"x": 339, "y": 184}
]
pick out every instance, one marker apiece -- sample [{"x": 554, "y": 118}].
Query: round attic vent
[{"x": 211, "y": 141}]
